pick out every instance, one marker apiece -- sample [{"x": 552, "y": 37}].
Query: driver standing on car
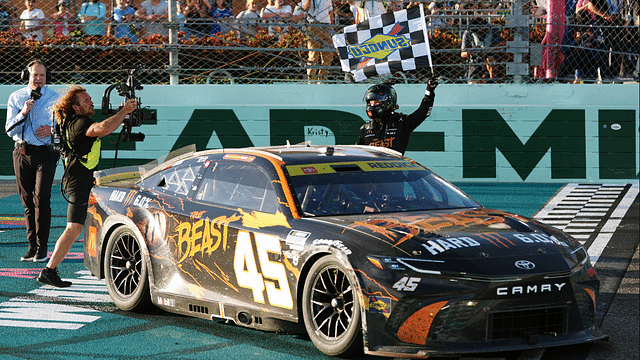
[
  {"x": 80, "y": 137},
  {"x": 388, "y": 128}
]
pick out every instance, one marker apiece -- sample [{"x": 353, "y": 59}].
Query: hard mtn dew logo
[{"x": 380, "y": 46}]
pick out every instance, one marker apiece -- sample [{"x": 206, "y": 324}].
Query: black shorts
[{"x": 78, "y": 203}]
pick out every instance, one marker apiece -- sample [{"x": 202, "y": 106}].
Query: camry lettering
[
  {"x": 436, "y": 247},
  {"x": 529, "y": 289}
]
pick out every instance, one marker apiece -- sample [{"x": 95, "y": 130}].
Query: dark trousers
[{"x": 34, "y": 174}]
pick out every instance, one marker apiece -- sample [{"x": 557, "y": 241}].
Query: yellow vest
[{"x": 91, "y": 159}]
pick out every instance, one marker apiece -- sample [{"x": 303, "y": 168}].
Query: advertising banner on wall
[{"x": 486, "y": 133}]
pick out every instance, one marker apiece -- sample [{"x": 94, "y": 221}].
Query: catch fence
[{"x": 505, "y": 42}]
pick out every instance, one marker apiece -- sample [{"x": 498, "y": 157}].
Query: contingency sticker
[{"x": 332, "y": 168}]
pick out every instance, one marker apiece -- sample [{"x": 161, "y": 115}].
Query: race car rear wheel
[
  {"x": 126, "y": 271},
  {"x": 331, "y": 309}
]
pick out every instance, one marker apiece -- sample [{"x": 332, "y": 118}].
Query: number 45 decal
[
  {"x": 407, "y": 284},
  {"x": 273, "y": 277}
]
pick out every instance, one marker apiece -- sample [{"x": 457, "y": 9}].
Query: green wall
[{"x": 492, "y": 133}]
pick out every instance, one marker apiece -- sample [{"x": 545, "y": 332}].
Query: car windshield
[{"x": 372, "y": 187}]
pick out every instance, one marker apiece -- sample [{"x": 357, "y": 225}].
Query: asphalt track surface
[{"x": 42, "y": 322}]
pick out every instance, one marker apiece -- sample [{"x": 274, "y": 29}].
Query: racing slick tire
[
  {"x": 125, "y": 271},
  {"x": 331, "y": 309}
]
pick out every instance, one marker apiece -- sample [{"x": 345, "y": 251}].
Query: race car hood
[{"x": 480, "y": 241}]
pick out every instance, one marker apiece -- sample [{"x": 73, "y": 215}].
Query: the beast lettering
[{"x": 201, "y": 236}]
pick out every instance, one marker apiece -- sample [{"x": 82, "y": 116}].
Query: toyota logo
[{"x": 525, "y": 265}]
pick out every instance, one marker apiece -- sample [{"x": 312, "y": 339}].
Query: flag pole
[{"x": 426, "y": 37}]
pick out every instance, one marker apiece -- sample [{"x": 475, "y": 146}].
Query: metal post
[
  {"x": 520, "y": 44},
  {"x": 174, "y": 26}
]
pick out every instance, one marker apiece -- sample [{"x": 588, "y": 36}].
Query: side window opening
[{"x": 241, "y": 185}]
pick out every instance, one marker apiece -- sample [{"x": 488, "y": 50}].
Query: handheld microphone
[{"x": 35, "y": 94}]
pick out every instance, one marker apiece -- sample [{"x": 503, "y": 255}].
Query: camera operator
[
  {"x": 34, "y": 163},
  {"x": 80, "y": 137}
]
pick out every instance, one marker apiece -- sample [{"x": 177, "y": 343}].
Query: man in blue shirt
[{"x": 34, "y": 162}]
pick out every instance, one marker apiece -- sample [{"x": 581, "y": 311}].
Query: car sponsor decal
[
  {"x": 328, "y": 168},
  {"x": 91, "y": 244},
  {"x": 438, "y": 246},
  {"x": 239, "y": 157},
  {"x": 333, "y": 243},
  {"x": 202, "y": 236},
  {"x": 497, "y": 240},
  {"x": 166, "y": 301},
  {"x": 127, "y": 198},
  {"x": 296, "y": 239},
  {"x": 379, "y": 305}
]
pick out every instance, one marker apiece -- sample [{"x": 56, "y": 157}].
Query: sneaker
[
  {"x": 50, "y": 277},
  {"x": 41, "y": 256},
  {"x": 29, "y": 255}
]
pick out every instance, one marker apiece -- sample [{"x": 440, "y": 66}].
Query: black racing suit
[{"x": 394, "y": 131}]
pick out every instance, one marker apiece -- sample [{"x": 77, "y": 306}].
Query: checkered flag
[{"x": 385, "y": 44}]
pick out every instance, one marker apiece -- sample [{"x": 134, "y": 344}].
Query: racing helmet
[{"x": 388, "y": 101}]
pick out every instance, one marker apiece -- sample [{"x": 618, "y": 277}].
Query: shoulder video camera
[{"x": 127, "y": 89}]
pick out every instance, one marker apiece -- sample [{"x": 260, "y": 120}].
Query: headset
[{"x": 24, "y": 75}]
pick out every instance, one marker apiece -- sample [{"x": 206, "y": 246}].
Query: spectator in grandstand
[
  {"x": 435, "y": 20},
  {"x": 588, "y": 53},
  {"x": 342, "y": 13},
  {"x": 616, "y": 38},
  {"x": 221, "y": 15},
  {"x": 154, "y": 14},
  {"x": 278, "y": 13},
  {"x": 591, "y": 10},
  {"x": 7, "y": 13},
  {"x": 319, "y": 15},
  {"x": 552, "y": 55},
  {"x": 477, "y": 41},
  {"x": 197, "y": 14},
  {"x": 62, "y": 25},
  {"x": 180, "y": 17},
  {"x": 599, "y": 13},
  {"x": 298, "y": 15},
  {"x": 31, "y": 24},
  {"x": 247, "y": 20},
  {"x": 364, "y": 10},
  {"x": 124, "y": 17},
  {"x": 93, "y": 15}
]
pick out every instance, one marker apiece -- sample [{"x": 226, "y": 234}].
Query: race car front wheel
[
  {"x": 126, "y": 271},
  {"x": 331, "y": 309}
]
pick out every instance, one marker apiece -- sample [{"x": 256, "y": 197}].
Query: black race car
[{"x": 366, "y": 249}]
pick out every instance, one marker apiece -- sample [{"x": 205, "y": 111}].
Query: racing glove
[{"x": 432, "y": 83}]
